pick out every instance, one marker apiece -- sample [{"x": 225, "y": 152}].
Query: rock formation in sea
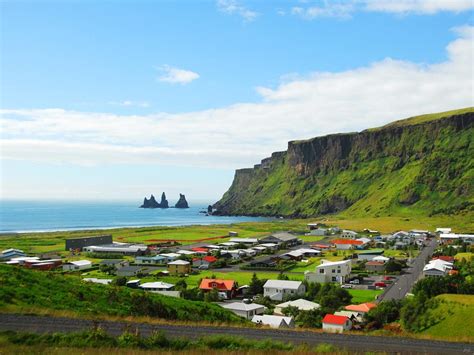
[
  {"x": 182, "y": 203},
  {"x": 152, "y": 203}
]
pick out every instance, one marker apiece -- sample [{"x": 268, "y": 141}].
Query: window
[
  {"x": 334, "y": 279},
  {"x": 338, "y": 271},
  {"x": 333, "y": 271},
  {"x": 321, "y": 271}
]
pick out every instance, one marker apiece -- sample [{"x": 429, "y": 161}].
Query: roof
[
  {"x": 347, "y": 241},
  {"x": 334, "y": 263},
  {"x": 80, "y": 262},
  {"x": 244, "y": 240},
  {"x": 98, "y": 281},
  {"x": 222, "y": 285},
  {"x": 179, "y": 262},
  {"x": 130, "y": 268},
  {"x": 200, "y": 250},
  {"x": 274, "y": 321},
  {"x": 238, "y": 306},
  {"x": 364, "y": 240},
  {"x": 363, "y": 307},
  {"x": 380, "y": 258},
  {"x": 349, "y": 231},
  {"x": 292, "y": 285},
  {"x": 6, "y": 251},
  {"x": 185, "y": 252},
  {"x": 282, "y": 236},
  {"x": 348, "y": 314},
  {"x": 333, "y": 319},
  {"x": 268, "y": 245},
  {"x": 158, "y": 284},
  {"x": 321, "y": 246},
  {"x": 375, "y": 263},
  {"x": 449, "y": 259},
  {"x": 155, "y": 257},
  {"x": 301, "y": 304},
  {"x": 170, "y": 255},
  {"x": 208, "y": 258}
]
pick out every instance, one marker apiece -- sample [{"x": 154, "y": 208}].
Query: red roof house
[
  {"x": 336, "y": 324},
  {"x": 227, "y": 286},
  {"x": 449, "y": 259},
  {"x": 361, "y": 308},
  {"x": 206, "y": 260},
  {"x": 200, "y": 250},
  {"x": 346, "y": 244}
]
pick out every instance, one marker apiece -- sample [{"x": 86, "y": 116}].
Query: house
[
  {"x": 21, "y": 260},
  {"x": 179, "y": 267},
  {"x": 308, "y": 253},
  {"x": 375, "y": 266},
  {"x": 449, "y": 238},
  {"x": 133, "y": 283},
  {"x": 247, "y": 311},
  {"x": 169, "y": 257},
  {"x": 347, "y": 244},
  {"x": 301, "y": 304},
  {"x": 443, "y": 230},
  {"x": 200, "y": 251},
  {"x": 259, "y": 250},
  {"x": 330, "y": 271},
  {"x": 205, "y": 261},
  {"x": 228, "y": 245},
  {"x": 365, "y": 242},
  {"x": 156, "y": 286},
  {"x": 185, "y": 252},
  {"x": 116, "y": 263},
  {"x": 117, "y": 248},
  {"x": 293, "y": 255},
  {"x": 11, "y": 253},
  {"x": 129, "y": 271},
  {"x": 97, "y": 281},
  {"x": 227, "y": 286},
  {"x": 437, "y": 267},
  {"x": 381, "y": 258},
  {"x": 234, "y": 254},
  {"x": 282, "y": 239},
  {"x": 353, "y": 316},
  {"x": 349, "y": 234},
  {"x": 269, "y": 246},
  {"x": 336, "y": 324},
  {"x": 368, "y": 255},
  {"x": 449, "y": 259},
  {"x": 361, "y": 309},
  {"x": 318, "y": 232},
  {"x": 274, "y": 321},
  {"x": 245, "y": 241},
  {"x": 313, "y": 226},
  {"x": 77, "y": 265},
  {"x": 81, "y": 243},
  {"x": 150, "y": 260},
  {"x": 279, "y": 289},
  {"x": 320, "y": 246},
  {"x": 418, "y": 233},
  {"x": 233, "y": 234},
  {"x": 267, "y": 263},
  {"x": 48, "y": 264}
]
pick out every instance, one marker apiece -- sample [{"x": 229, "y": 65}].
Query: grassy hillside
[
  {"x": 422, "y": 166},
  {"x": 456, "y": 317},
  {"x": 23, "y": 289}
]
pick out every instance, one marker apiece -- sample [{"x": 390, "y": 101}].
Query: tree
[
  {"x": 393, "y": 266},
  {"x": 181, "y": 285},
  {"x": 256, "y": 285},
  {"x": 291, "y": 311},
  {"x": 310, "y": 319},
  {"x": 385, "y": 312},
  {"x": 120, "y": 281},
  {"x": 212, "y": 296}
]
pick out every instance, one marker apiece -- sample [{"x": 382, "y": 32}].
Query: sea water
[{"x": 37, "y": 216}]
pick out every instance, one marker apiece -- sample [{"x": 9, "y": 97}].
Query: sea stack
[
  {"x": 182, "y": 203},
  {"x": 152, "y": 203}
]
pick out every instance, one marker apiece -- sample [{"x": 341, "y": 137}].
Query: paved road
[
  {"x": 405, "y": 282},
  {"x": 45, "y": 324}
]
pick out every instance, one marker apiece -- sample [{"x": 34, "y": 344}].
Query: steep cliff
[{"x": 422, "y": 165}]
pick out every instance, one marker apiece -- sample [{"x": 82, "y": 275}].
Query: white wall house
[
  {"x": 156, "y": 286},
  {"x": 437, "y": 267},
  {"x": 330, "y": 271},
  {"x": 336, "y": 324},
  {"x": 349, "y": 234},
  {"x": 301, "y": 304},
  {"x": 274, "y": 321},
  {"x": 279, "y": 289},
  {"x": 244, "y": 310},
  {"x": 77, "y": 265}
]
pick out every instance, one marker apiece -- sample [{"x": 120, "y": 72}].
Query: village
[{"x": 271, "y": 280}]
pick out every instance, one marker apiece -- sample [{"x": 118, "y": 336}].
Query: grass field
[
  {"x": 456, "y": 317},
  {"x": 362, "y": 296}
]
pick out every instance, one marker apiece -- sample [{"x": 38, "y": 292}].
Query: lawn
[{"x": 362, "y": 296}]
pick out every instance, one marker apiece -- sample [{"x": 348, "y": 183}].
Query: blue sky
[{"x": 118, "y": 99}]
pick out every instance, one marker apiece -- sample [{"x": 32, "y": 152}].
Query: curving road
[{"x": 46, "y": 324}]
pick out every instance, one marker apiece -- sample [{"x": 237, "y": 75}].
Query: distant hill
[{"x": 422, "y": 165}]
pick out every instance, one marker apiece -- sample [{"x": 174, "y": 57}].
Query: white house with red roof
[{"x": 336, "y": 324}]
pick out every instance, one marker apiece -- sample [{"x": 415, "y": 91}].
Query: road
[
  {"x": 405, "y": 282},
  {"x": 46, "y": 324}
]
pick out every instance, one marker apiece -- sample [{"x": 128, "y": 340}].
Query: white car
[
  {"x": 354, "y": 282},
  {"x": 347, "y": 286}
]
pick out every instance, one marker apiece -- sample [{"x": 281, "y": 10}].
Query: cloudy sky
[{"x": 121, "y": 99}]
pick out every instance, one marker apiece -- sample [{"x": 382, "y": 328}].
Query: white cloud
[
  {"x": 176, "y": 76},
  {"x": 345, "y": 9},
  {"x": 233, "y": 7},
  {"x": 240, "y": 135},
  {"x": 130, "y": 103}
]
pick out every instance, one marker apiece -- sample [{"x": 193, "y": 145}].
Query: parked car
[
  {"x": 347, "y": 286},
  {"x": 380, "y": 284},
  {"x": 354, "y": 282}
]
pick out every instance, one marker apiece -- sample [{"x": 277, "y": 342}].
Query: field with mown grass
[{"x": 362, "y": 296}]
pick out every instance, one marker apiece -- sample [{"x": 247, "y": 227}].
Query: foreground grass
[{"x": 455, "y": 315}]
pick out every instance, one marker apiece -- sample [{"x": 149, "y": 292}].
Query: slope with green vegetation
[
  {"x": 22, "y": 289},
  {"x": 422, "y": 166}
]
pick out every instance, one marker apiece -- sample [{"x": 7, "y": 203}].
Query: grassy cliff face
[{"x": 420, "y": 166}]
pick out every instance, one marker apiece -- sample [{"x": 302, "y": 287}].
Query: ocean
[{"x": 43, "y": 216}]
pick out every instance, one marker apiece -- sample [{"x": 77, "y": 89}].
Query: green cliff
[{"x": 422, "y": 165}]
